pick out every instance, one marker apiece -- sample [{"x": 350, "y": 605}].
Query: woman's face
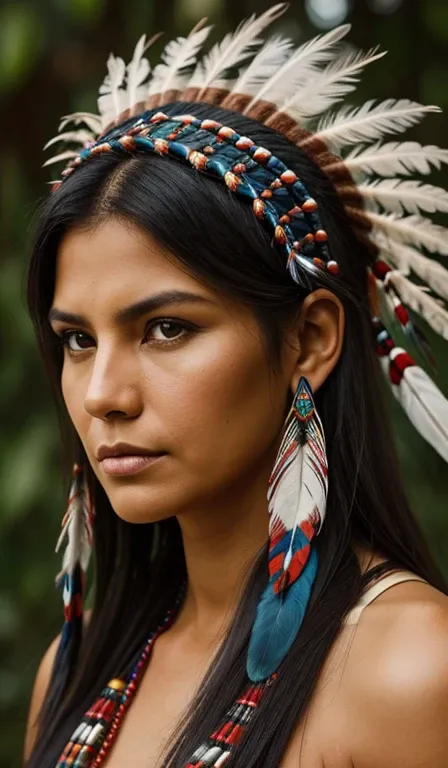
[{"x": 156, "y": 360}]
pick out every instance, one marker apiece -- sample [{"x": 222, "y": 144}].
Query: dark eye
[
  {"x": 166, "y": 330},
  {"x": 76, "y": 341}
]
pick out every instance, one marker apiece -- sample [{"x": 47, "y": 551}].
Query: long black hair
[{"x": 217, "y": 237}]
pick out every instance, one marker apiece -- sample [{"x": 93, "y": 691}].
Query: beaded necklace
[{"x": 91, "y": 742}]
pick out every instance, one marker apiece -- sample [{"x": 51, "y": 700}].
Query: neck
[{"x": 221, "y": 544}]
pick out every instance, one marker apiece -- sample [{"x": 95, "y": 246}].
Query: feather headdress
[{"x": 300, "y": 92}]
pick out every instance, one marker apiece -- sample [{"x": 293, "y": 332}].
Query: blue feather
[{"x": 277, "y": 623}]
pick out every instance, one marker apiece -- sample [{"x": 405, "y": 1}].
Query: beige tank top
[{"x": 377, "y": 589}]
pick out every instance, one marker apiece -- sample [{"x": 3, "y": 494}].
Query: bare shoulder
[
  {"x": 397, "y": 677},
  {"x": 41, "y": 684},
  {"x": 40, "y": 688}
]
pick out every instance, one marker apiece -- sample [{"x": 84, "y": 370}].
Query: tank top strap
[{"x": 377, "y": 589}]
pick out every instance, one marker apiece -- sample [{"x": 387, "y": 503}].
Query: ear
[{"x": 319, "y": 333}]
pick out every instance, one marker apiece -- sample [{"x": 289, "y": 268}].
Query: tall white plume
[
  {"x": 233, "y": 49},
  {"x": 113, "y": 98},
  {"x": 321, "y": 90},
  {"x": 304, "y": 60},
  {"x": 93, "y": 122},
  {"x": 137, "y": 70},
  {"x": 80, "y": 137},
  {"x": 178, "y": 56},
  {"x": 417, "y": 299},
  {"x": 407, "y": 196},
  {"x": 414, "y": 230},
  {"x": 425, "y": 405},
  {"x": 407, "y": 259},
  {"x": 263, "y": 66},
  {"x": 367, "y": 123},
  {"x": 394, "y": 157}
]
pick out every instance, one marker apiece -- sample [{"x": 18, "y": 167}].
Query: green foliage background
[{"x": 52, "y": 59}]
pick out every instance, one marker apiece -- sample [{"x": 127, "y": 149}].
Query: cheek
[
  {"x": 224, "y": 413},
  {"x": 72, "y": 392}
]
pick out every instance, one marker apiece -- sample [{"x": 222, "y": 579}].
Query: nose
[{"x": 113, "y": 390}]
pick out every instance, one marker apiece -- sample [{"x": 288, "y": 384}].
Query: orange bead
[
  {"x": 321, "y": 236},
  {"x": 288, "y": 177},
  {"x": 309, "y": 205}
]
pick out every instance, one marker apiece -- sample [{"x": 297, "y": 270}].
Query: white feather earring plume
[
  {"x": 113, "y": 96},
  {"x": 417, "y": 299},
  {"x": 403, "y": 196},
  {"x": 393, "y": 157},
  {"x": 77, "y": 526},
  {"x": 324, "y": 89},
  {"x": 406, "y": 259},
  {"x": 178, "y": 56},
  {"x": 369, "y": 122},
  {"x": 278, "y": 86},
  {"x": 414, "y": 230},
  {"x": 233, "y": 49}
]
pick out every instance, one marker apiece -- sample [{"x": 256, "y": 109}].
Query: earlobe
[{"x": 320, "y": 327}]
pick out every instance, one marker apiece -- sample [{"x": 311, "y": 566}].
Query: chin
[{"x": 140, "y": 503}]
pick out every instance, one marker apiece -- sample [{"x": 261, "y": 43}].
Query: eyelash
[{"x": 187, "y": 329}]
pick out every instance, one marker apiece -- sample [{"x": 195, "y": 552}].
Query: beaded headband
[{"x": 279, "y": 199}]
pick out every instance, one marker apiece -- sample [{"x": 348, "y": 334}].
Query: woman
[{"x": 202, "y": 289}]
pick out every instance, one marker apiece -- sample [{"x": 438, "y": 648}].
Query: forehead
[{"x": 115, "y": 261}]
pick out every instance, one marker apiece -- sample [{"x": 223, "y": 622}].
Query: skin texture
[
  {"x": 209, "y": 399},
  {"x": 211, "y": 402}
]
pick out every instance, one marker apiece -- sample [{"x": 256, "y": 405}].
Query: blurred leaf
[{"x": 21, "y": 38}]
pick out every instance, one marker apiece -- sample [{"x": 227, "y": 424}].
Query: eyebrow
[{"x": 134, "y": 311}]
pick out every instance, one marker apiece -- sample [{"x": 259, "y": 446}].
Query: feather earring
[
  {"x": 297, "y": 497},
  {"x": 77, "y": 527}
]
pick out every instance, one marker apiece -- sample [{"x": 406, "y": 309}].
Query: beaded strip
[
  {"x": 94, "y": 738},
  {"x": 216, "y": 751},
  {"x": 280, "y": 200}
]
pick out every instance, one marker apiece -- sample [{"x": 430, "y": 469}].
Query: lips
[
  {"x": 126, "y": 459},
  {"x": 128, "y": 465},
  {"x": 123, "y": 449}
]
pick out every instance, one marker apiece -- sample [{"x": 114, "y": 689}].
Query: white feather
[
  {"x": 93, "y": 122},
  {"x": 417, "y": 299},
  {"x": 369, "y": 122},
  {"x": 113, "y": 98},
  {"x": 394, "y": 157},
  {"x": 302, "y": 488},
  {"x": 406, "y": 259},
  {"x": 415, "y": 230},
  {"x": 306, "y": 58},
  {"x": 81, "y": 137},
  {"x": 324, "y": 89},
  {"x": 425, "y": 405},
  {"x": 76, "y": 529},
  {"x": 137, "y": 70},
  {"x": 233, "y": 49},
  {"x": 409, "y": 196},
  {"x": 263, "y": 66},
  {"x": 69, "y": 154},
  {"x": 177, "y": 56}
]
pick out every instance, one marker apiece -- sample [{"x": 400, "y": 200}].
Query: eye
[
  {"x": 76, "y": 341},
  {"x": 166, "y": 330}
]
